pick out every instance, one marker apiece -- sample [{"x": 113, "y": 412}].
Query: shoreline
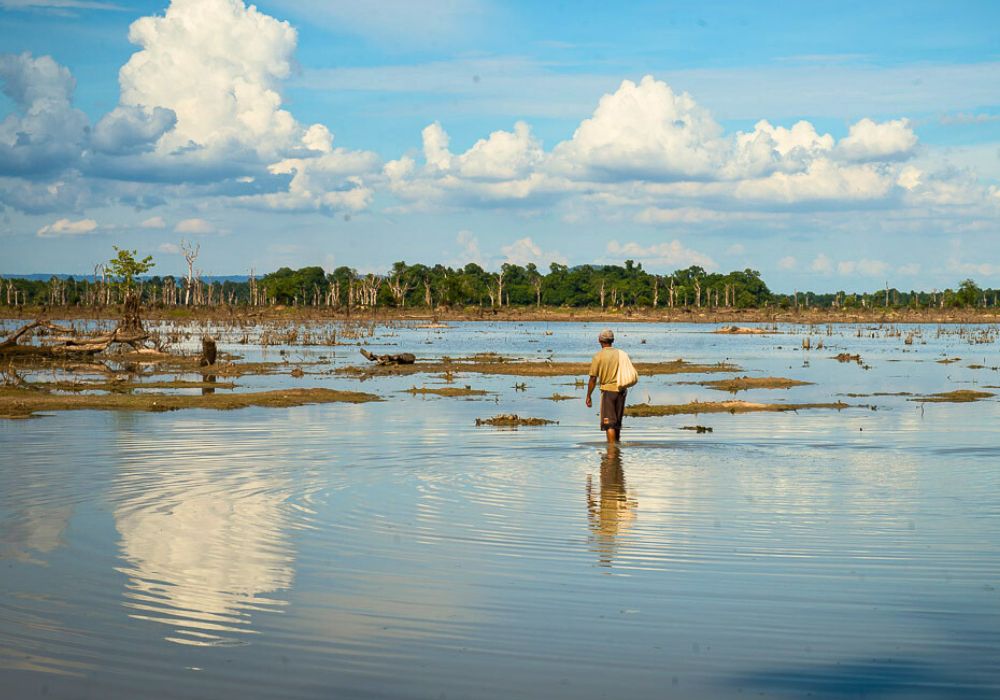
[{"x": 708, "y": 316}]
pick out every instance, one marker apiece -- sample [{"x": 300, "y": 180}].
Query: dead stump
[{"x": 208, "y": 351}]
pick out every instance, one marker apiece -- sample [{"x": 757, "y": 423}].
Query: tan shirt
[{"x": 604, "y": 366}]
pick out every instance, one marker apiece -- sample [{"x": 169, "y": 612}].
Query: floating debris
[
  {"x": 847, "y": 357},
  {"x": 512, "y": 420},
  {"x": 697, "y": 428}
]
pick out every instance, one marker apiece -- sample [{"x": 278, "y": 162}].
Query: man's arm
[{"x": 590, "y": 389}]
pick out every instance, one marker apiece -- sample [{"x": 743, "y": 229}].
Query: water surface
[{"x": 396, "y": 550}]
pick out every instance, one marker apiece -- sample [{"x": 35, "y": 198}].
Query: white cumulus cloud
[
  {"x": 206, "y": 87},
  {"x": 643, "y": 131},
  {"x": 525, "y": 250},
  {"x": 194, "y": 225},
  {"x": 868, "y": 140},
  {"x": 217, "y": 65},
  {"x": 132, "y": 129},
  {"x": 66, "y": 227},
  {"x": 821, "y": 264},
  {"x": 469, "y": 251},
  {"x": 672, "y": 254},
  {"x": 154, "y": 222},
  {"x": 46, "y": 133}
]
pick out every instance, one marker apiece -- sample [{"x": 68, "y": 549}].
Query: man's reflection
[{"x": 610, "y": 510}]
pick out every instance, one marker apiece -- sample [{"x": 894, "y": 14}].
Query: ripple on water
[{"x": 393, "y": 550}]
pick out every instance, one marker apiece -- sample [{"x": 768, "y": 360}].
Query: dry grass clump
[{"x": 560, "y": 397}]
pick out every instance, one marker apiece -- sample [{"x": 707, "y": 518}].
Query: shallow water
[{"x": 396, "y": 550}]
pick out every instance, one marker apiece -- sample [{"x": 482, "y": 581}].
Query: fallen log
[
  {"x": 71, "y": 344},
  {"x": 403, "y": 358}
]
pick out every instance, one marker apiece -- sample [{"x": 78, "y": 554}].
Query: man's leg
[
  {"x": 619, "y": 414},
  {"x": 612, "y": 436}
]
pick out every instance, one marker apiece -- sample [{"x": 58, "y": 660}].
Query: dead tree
[
  {"x": 428, "y": 298},
  {"x": 369, "y": 289},
  {"x": 536, "y": 283},
  {"x": 500, "y": 275},
  {"x": 399, "y": 288},
  {"x": 190, "y": 255}
]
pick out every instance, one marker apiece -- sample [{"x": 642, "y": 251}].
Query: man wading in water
[{"x": 604, "y": 367}]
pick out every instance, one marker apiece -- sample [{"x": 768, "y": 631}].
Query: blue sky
[{"x": 830, "y": 147}]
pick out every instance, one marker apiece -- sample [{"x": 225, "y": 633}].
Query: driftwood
[
  {"x": 404, "y": 358},
  {"x": 69, "y": 344}
]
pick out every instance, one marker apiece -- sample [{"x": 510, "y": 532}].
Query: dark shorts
[{"x": 612, "y": 409}]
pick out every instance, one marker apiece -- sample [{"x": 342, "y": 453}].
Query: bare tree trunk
[{"x": 190, "y": 255}]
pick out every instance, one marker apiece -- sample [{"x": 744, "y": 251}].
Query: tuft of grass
[{"x": 512, "y": 420}]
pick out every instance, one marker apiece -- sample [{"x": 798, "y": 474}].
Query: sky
[{"x": 838, "y": 146}]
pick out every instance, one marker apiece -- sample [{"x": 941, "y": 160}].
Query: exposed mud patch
[
  {"x": 445, "y": 391},
  {"x": 19, "y": 403},
  {"x": 957, "y": 396},
  {"x": 745, "y": 383},
  {"x": 742, "y": 330},
  {"x": 489, "y": 363},
  {"x": 645, "y": 410}
]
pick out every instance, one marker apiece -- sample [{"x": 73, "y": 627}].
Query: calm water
[{"x": 396, "y": 550}]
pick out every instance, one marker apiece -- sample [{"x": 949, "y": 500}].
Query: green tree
[
  {"x": 968, "y": 293},
  {"x": 126, "y": 268}
]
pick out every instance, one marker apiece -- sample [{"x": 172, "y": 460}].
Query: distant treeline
[{"x": 422, "y": 286}]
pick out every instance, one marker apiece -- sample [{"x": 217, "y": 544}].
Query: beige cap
[{"x": 606, "y": 336}]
